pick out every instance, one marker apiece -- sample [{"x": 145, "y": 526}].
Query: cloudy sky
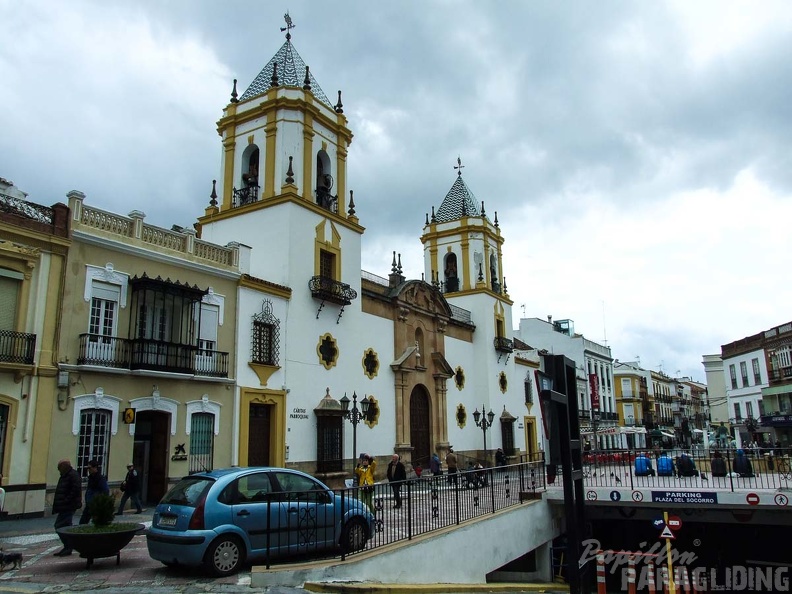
[{"x": 637, "y": 154}]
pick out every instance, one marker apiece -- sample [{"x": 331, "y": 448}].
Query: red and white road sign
[
  {"x": 674, "y": 522},
  {"x": 666, "y": 533},
  {"x": 752, "y": 499}
]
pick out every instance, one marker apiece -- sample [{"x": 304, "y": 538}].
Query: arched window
[
  {"x": 249, "y": 190},
  {"x": 494, "y": 274},
  {"x": 324, "y": 183},
  {"x": 451, "y": 279}
]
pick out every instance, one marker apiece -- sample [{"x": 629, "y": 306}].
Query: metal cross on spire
[
  {"x": 459, "y": 167},
  {"x": 289, "y": 25}
]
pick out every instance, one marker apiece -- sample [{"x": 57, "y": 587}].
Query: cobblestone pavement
[{"x": 136, "y": 571}]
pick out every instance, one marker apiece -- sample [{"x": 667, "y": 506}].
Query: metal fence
[
  {"x": 729, "y": 469},
  {"x": 429, "y": 503}
]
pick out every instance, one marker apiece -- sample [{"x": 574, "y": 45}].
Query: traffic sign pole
[{"x": 671, "y": 586}]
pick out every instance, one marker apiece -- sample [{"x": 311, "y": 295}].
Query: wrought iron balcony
[
  {"x": 246, "y": 195},
  {"x": 17, "y": 347},
  {"x": 503, "y": 344},
  {"x": 328, "y": 289},
  {"x": 153, "y": 355},
  {"x": 103, "y": 351}
]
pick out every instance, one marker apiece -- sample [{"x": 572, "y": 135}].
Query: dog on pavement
[{"x": 12, "y": 560}]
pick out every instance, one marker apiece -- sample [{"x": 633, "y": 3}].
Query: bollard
[
  {"x": 631, "y": 575},
  {"x": 650, "y": 574},
  {"x": 685, "y": 580},
  {"x": 601, "y": 589}
]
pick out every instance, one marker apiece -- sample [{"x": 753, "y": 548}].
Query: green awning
[{"x": 777, "y": 390}]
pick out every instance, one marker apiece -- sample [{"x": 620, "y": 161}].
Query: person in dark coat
[
  {"x": 67, "y": 500},
  {"x": 742, "y": 465},
  {"x": 396, "y": 477},
  {"x": 718, "y": 464},
  {"x": 131, "y": 488},
  {"x": 500, "y": 457},
  {"x": 97, "y": 485},
  {"x": 434, "y": 465}
]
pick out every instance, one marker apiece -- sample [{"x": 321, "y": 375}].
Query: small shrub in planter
[{"x": 102, "y": 509}]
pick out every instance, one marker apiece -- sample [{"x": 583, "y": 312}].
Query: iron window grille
[
  {"x": 201, "y": 442},
  {"x": 266, "y": 336},
  {"x": 329, "y": 442}
]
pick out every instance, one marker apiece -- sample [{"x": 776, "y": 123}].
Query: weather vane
[
  {"x": 459, "y": 167},
  {"x": 289, "y": 25}
]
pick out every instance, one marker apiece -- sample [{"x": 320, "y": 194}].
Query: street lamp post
[
  {"x": 485, "y": 422},
  {"x": 354, "y": 416}
]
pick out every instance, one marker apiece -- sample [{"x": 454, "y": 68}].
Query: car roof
[{"x": 218, "y": 473}]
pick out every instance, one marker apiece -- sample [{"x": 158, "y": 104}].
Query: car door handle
[{"x": 243, "y": 512}]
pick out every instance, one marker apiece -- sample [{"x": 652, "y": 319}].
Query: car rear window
[{"x": 187, "y": 491}]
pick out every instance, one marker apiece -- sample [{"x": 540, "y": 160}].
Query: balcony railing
[
  {"x": 328, "y": 289},
  {"x": 153, "y": 355},
  {"x": 503, "y": 344},
  {"x": 17, "y": 347},
  {"x": 244, "y": 196}
]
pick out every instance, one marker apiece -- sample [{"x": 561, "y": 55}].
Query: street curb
[{"x": 361, "y": 587}]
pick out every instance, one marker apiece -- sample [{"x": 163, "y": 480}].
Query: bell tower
[
  {"x": 462, "y": 247},
  {"x": 284, "y": 152}
]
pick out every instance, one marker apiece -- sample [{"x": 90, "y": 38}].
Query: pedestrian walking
[
  {"x": 434, "y": 465},
  {"x": 365, "y": 474},
  {"x": 131, "y": 488},
  {"x": 396, "y": 477},
  {"x": 67, "y": 500},
  {"x": 451, "y": 463},
  {"x": 97, "y": 485}
]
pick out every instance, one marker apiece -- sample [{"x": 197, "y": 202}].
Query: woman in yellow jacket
[{"x": 364, "y": 471}]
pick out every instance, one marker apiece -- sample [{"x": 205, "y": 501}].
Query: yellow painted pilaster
[
  {"x": 433, "y": 262},
  {"x": 269, "y": 160},
  {"x": 308, "y": 162},
  {"x": 229, "y": 144},
  {"x": 341, "y": 155},
  {"x": 466, "y": 284}
]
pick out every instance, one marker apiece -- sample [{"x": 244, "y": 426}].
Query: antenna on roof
[{"x": 289, "y": 25}]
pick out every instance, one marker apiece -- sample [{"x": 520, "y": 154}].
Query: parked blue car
[{"x": 222, "y": 518}]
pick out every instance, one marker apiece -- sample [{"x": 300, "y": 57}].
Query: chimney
[{"x": 549, "y": 319}]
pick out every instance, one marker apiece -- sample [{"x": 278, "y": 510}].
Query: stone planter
[{"x": 97, "y": 545}]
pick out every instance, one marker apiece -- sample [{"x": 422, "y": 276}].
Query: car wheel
[
  {"x": 354, "y": 535},
  {"x": 224, "y": 556}
]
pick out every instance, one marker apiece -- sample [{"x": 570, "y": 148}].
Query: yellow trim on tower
[
  {"x": 269, "y": 159},
  {"x": 228, "y": 170},
  {"x": 308, "y": 161},
  {"x": 466, "y": 284},
  {"x": 341, "y": 155},
  {"x": 332, "y": 245}
]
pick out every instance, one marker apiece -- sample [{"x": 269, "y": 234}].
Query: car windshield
[{"x": 187, "y": 491}]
